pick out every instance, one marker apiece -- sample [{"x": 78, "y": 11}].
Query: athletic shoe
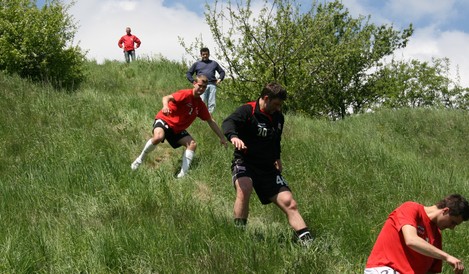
[
  {"x": 306, "y": 239},
  {"x": 181, "y": 174},
  {"x": 135, "y": 164}
]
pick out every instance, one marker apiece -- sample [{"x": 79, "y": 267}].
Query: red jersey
[
  {"x": 184, "y": 110},
  {"x": 129, "y": 41},
  {"x": 390, "y": 248}
]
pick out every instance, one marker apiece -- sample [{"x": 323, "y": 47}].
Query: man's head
[
  {"x": 200, "y": 85},
  {"x": 455, "y": 210},
  {"x": 273, "y": 95},
  {"x": 204, "y": 53},
  {"x": 128, "y": 30}
]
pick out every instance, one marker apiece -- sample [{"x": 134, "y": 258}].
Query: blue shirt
[{"x": 207, "y": 68}]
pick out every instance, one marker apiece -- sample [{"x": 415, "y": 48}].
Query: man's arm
[
  {"x": 221, "y": 73},
  {"x": 137, "y": 41},
  {"x": 413, "y": 241},
  {"x": 166, "y": 99},
  {"x": 213, "y": 125},
  {"x": 191, "y": 72}
]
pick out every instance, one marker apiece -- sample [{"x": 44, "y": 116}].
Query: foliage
[
  {"x": 417, "y": 84},
  {"x": 38, "y": 43},
  {"x": 322, "y": 56}
]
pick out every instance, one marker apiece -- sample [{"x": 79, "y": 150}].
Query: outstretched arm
[
  {"x": 413, "y": 241},
  {"x": 213, "y": 125}
]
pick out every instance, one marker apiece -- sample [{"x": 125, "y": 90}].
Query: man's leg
[
  {"x": 205, "y": 96},
  {"x": 132, "y": 54},
  {"x": 127, "y": 57},
  {"x": 244, "y": 188},
  {"x": 188, "y": 154},
  {"x": 284, "y": 200},
  {"x": 158, "y": 136},
  {"x": 212, "y": 90}
]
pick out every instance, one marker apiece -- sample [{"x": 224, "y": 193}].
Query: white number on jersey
[{"x": 281, "y": 181}]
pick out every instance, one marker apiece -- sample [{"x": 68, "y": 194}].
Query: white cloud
[
  {"x": 102, "y": 23},
  {"x": 428, "y": 42}
]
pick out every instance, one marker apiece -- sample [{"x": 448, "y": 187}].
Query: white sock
[
  {"x": 149, "y": 147},
  {"x": 186, "y": 162}
]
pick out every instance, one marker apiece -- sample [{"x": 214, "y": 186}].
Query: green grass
[{"x": 69, "y": 202}]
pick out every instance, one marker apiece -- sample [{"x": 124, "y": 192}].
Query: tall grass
[{"x": 69, "y": 202}]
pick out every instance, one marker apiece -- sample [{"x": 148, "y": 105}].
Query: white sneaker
[
  {"x": 135, "y": 164},
  {"x": 181, "y": 174}
]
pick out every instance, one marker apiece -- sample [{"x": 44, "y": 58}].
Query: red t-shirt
[
  {"x": 129, "y": 41},
  {"x": 390, "y": 248},
  {"x": 184, "y": 110}
]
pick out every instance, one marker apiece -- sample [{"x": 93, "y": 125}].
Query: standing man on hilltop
[
  {"x": 128, "y": 42},
  {"x": 207, "y": 67}
]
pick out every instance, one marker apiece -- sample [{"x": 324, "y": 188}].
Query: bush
[{"x": 38, "y": 43}]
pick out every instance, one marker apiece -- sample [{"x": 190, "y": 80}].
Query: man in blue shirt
[{"x": 207, "y": 67}]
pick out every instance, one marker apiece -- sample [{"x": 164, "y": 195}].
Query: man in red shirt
[
  {"x": 128, "y": 42},
  {"x": 410, "y": 240},
  {"x": 179, "y": 111}
]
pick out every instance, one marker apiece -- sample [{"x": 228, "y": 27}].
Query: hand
[
  {"x": 218, "y": 82},
  {"x": 166, "y": 111},
  {"x": 238, "y": 143},
  {"x": 458, "y": 266}
]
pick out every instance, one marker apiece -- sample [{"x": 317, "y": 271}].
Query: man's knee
[
  {"x": 191, "y": 145},
  {"x": 285, "y": 199}
]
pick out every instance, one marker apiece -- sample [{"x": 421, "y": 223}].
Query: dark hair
[
  {"x": 457, "y": 204},
  {"x": 273, "y": 91},
  {"x": 204, "y": 50}
]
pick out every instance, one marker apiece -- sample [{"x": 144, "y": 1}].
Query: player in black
[{"x": 255, "y": 130}]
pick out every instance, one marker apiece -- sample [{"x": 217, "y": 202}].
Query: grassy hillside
[{"x": 69, "y": 202}]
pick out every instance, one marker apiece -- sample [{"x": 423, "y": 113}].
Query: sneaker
[
  {"x": 135, "y": 164},
  {"x": 180, "y": 175},
  {"x": 306, "y": 239}
]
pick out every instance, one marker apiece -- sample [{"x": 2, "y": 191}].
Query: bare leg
[
  {"x": 243, "y": 193},
  {"x": 284, "y": 200}
]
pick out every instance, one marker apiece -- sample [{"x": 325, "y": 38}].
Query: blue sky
[{"x": 441, "y": 26}]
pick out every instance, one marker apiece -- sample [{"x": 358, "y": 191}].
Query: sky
[{"x": 441, "y": 27}]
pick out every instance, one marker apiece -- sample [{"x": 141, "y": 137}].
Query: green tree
[
  {"x": 417, "y": 84},
  {"x": 37, "y": 43},
  {"x": 323, "y": 56}
]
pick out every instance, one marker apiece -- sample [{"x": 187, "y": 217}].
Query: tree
[
  {"x": 322, "y": 56},
  {"x": 38, "y": 43},
  {"x": 417, "y": 84}
]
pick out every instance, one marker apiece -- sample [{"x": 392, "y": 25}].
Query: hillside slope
[{"x": 70, "y": 203}]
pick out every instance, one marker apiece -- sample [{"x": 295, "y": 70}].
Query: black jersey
[{"x": 260, "y": 132}]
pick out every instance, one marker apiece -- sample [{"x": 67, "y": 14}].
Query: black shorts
[
  {"x": 267, "y": 181},
  {"x": 169, "y": 134}
]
